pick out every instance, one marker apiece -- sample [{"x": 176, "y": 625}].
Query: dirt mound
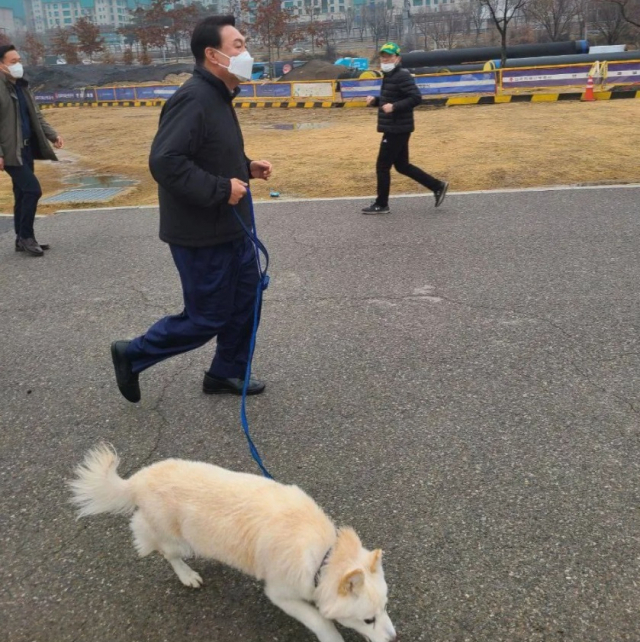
[
  {"x": 319, "y": 70},
  {"x": 76, "y": 76}
]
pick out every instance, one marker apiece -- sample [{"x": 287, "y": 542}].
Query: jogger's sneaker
[
  {"x": 374, "y": 208},
  {"x": 441, "y": 193}
]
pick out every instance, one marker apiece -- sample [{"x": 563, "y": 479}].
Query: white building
[
  {"x": 7, "y": 21},
  {"x": 336, "y": 9},
  {"x": 43, "y": 15}
]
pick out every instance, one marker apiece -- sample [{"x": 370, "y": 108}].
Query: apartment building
[{"x": 43, "y": 15}]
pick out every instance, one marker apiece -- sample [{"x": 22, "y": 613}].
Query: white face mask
[
  {"x": 17, "y": 70},
  {"x": 387, "y": 66},
  {"x": 240, "y": 66}
]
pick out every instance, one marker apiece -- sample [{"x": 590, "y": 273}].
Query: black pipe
[
  {"x": 482, "y": 54},
  {"x": 569, "y": 60},
  {"x": 448, "y": 69}
]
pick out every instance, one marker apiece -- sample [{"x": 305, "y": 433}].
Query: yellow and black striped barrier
[
  {"x": 527, "y": 98},
  {"x": 112, "y": 103},
  {"x": 428, "y": 102}
]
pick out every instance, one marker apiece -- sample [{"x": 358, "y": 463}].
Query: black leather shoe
[
  {"x": 217, "y": 386},
  {"x": 19, "y": 248},
  {"x": 30, "y": 246},
  {"x": 126, "y": 379}
]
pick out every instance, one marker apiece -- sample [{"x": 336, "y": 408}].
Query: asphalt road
[{"x": 460, "y": 385}]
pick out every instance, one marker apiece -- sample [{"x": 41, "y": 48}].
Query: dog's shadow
[{"x": 230, "y": 599}]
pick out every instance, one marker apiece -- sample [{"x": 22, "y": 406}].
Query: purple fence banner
[
  {"x": 125, "y": 93},
  {"x": 477, "y": 83},
  {"x": 623, "y": 73},
  {"x": 164, "y": 92},
  {"x": 559, "y": 77},
  {"x": 360, "y": 88},
  {"x": 247, "y": 90},
  {"x": 105, "y": 94},
  {"x": 65, "y": 96},
  {"x": 273, "y": 90}
]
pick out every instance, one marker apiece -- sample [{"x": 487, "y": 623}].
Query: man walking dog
[
  {"x": 198, "y": 160},
  {"x": 24, "y": 137},
  {"x": 399, "y": 95}
]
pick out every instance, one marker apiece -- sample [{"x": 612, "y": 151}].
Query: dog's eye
[{"x": 370, "y": 621}]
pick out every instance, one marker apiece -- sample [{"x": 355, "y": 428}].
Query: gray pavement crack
[
  {"x": 620, "y": 398},
  {"x": 435, "y": 294},
  {"x": 164, "y": 420},
  {"x": 147, "y": 458},
  {"x": 145, "y": 298},
  {"x": 560, "y": 329}
]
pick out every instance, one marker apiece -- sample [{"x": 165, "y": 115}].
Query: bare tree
[
  {"x": 270, "y": 23},
  {"x": 629, "y": 10},
  {"x": 88, "y": 35},
  {"x": 584, "y": 10},
  {"x": 554, "y": 16},
  {"x": 474, "y": 16},
  {"x": 607, "y": 19},
  {"x": 34, "y": 48},
  {"x": 422, "y": 23},
  {"x": 447, "y": 26},
  {"x": 379, "y": 18},
  {"x": 349, "y": 17},
  {"x": 502, "y": 12}
]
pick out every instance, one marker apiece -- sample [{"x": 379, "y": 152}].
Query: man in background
[
  {"x": 24, "y": 137},
  {"x": 399, "y": 96}
]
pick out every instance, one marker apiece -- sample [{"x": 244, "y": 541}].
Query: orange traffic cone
[{"x": 588, "y": 94}]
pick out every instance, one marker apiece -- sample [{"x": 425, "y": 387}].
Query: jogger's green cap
[{"x": 390, "y": 48}]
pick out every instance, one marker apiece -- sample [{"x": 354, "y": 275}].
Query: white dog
[{"x": 276, "y": 533}]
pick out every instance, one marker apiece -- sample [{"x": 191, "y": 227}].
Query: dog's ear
[
  {"x": 351, "y": 583},
  {"x": 376, "y": 560}
]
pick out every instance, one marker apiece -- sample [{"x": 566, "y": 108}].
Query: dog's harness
[{"x": 325, "y": 559}]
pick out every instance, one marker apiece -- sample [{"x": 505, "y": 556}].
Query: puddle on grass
[
  {"x": 292, "y": 126},
  {"x": 105, "y": 180},
  {"x": 91, "y": 189}
]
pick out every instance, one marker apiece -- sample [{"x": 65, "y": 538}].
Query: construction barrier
[{"x": 490, "y": 83}]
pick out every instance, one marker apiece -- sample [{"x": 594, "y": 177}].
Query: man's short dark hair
[
  {"x": 207, "y": 34},
  {"x": 5, "y": 49}
]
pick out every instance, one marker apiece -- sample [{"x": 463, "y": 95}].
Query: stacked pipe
[{"x": 483, "y": 54}]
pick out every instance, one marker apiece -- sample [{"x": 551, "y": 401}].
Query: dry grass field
[{"x": 331, "y": 153}]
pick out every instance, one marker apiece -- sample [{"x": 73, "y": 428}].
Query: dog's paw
[{"x": 191, "y": 578}]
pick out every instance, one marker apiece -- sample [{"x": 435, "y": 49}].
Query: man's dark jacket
[
  {"x": 197, "y": 150},
  {"x": 11, "y": 140},
  {"x": 400, "y": 89}
]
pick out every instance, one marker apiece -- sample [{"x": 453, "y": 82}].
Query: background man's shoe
[
  {"x": 125, "y": 378},
  {"x": 44, "y": 246},
  {"x": 441, "y": 193},
  {"x": 218, "y": 386},
  {"x": 374, "y": 208},
  {"x": 30, "y": 246}
]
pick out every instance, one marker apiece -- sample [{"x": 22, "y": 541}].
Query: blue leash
[{"x": 263, "y": 284}]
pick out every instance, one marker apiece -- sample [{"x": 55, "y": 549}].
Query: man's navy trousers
[{"x": 219, "y": 285}]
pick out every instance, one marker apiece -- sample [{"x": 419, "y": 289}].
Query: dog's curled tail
[{"x": 97, "y": 487}]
